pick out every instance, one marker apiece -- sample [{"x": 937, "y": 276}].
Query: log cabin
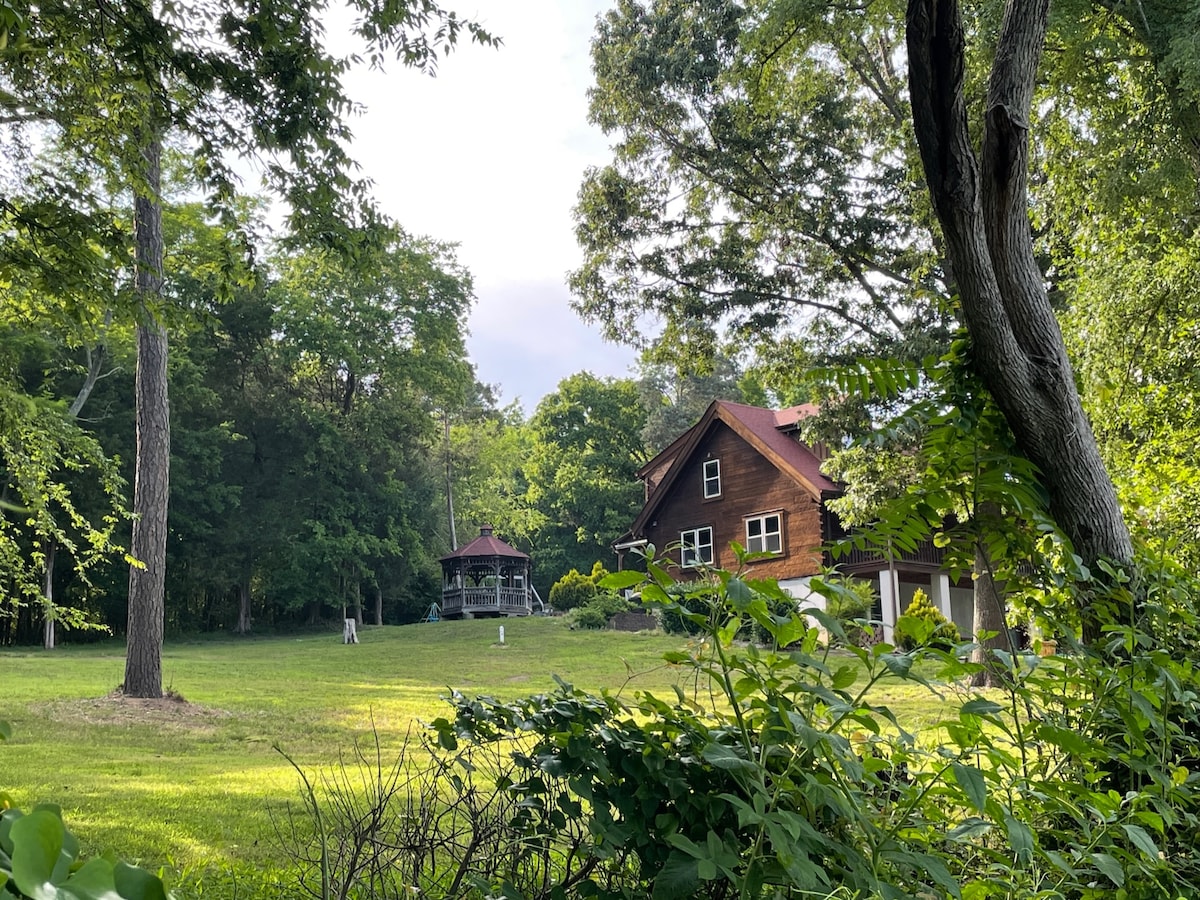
[{"x": 743, "y": 474}]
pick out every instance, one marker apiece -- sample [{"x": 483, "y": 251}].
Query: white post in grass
[
  {"x": 501, "y": 634},
  {"x": 350, "y": 632}
]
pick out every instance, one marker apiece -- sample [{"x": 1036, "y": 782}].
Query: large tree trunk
[
  {"x": 1017, "y": 347},
  {"x": 378, "y": 605},
  {"x": 147, "y": 579}
]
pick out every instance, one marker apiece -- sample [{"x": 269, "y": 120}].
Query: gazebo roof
[{"x": 486, "y": 545}]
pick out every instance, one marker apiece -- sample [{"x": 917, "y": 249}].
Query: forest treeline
[{"x": 322, "y": 409}]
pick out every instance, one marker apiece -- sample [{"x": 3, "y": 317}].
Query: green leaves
[{"x": 43, "y": 864}]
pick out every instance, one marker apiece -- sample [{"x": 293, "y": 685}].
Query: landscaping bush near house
[
  {"x": 923, "y": 624},
  {"x": 597, "y": 612},
  {"x": 850, "y": 601},
  {"x": 575, "y": 589}
]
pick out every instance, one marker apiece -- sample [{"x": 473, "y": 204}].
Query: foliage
[
  {"x": 60, "y": 496},
  {"x": 370, "y": 829},
  {"x": 1074, "y": 781},
  {"x": 488, "y": 449},
  {"x": 724, "y": 116},
  {"x": 923, "y": 624},
  {"x": 676, "y": 396},
  {"x": 762, "y": 790},
  {"x": 850, "y": 601},
  {"x": 598, "y": 611},
  {"x": 40, "y": 858},
  {"x": 571, "y": 591},
  {"x": 585, "y": 450}
]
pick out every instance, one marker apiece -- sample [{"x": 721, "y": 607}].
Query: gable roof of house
[{"x": 766, "y": 430}]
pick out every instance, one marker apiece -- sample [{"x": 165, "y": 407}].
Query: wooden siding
[{"x": 750, "y": 486}]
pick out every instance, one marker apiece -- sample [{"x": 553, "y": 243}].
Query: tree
[
  {"x": 675, "y": 396},
  {"x": 582, "y": 470},
  {"x": 763, "y": 183},
  {"x": 55, "y": 326},
  {"x": 230, "y": 79},
  {"x": 1017, "y": 347}
]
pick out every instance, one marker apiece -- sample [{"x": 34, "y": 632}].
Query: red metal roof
[
  {"x": 487, "y": 544},
  {"x": 765, "y": 425}
]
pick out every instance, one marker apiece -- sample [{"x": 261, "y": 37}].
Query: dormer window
[{"x": 712, "y": 478}]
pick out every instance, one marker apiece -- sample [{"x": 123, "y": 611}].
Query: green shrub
[
  {"x": 688, "y": 611},
  {"x": 784, "y": 775},
  {"x": 850, "y": 600},
  {"x": 923, "y": 625},
  {"x": 572, "y": 591},
  {"x": 598, "y": 611}
]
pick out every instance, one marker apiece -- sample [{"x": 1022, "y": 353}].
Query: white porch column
[
  {"x": 939, "y": 593},
  {"x": 889, "y": 602}
]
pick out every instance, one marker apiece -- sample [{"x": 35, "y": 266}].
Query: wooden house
[{"x": 742, "y": 474}]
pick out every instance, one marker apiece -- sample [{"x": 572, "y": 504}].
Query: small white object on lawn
[{"x": 502, "y": 634}]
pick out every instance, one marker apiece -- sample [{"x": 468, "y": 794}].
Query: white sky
[{"x": 490, "y": 155}]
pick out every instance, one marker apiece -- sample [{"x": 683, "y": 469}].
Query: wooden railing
[
  {"x": 485, "y": 599},
  {"x": 925, "y": 554}
]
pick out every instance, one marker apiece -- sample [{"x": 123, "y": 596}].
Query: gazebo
[{"x": 485, "y": 579}]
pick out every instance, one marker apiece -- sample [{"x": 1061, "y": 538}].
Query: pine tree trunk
[
  {"x": 1017, "y": 348},
  {"x": 378, "y": 605},
  {"x": 151, "y": 484}
]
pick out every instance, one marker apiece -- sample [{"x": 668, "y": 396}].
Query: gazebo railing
[{"x": 484, "y": 599}]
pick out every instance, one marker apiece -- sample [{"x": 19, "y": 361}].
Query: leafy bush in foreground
[
  {"x": 1079, "y": 780},
  {"x": 39, "y": 859}
]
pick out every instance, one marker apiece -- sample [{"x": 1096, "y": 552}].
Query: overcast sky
[{"x": 490, "y": 155}]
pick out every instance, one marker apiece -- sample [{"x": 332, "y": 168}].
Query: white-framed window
[
  {"x": 712, "y": 478},
  {"x": 764, "y": 534},
  {"x": 696, "y": 547}
]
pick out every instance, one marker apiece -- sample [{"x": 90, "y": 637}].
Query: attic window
[{"x": 712, "y": 478}]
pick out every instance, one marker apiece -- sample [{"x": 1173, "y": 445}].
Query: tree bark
[
  {"x": 48, "y": 620},
  {"x": 378, "y": 605},
  {"x": 151, "y": 484},
  {"x": 244, "y": 622},
  {"x": 989, "y": 617},
  {"x": 1017, "y": 348}
]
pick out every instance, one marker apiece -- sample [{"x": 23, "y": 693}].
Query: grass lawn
[{"x": 193, "y": 784}]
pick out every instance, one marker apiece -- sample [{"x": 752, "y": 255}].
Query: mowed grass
[
  {"x": 195, "y": 783},
  {"x": 199, "y": 784}
]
